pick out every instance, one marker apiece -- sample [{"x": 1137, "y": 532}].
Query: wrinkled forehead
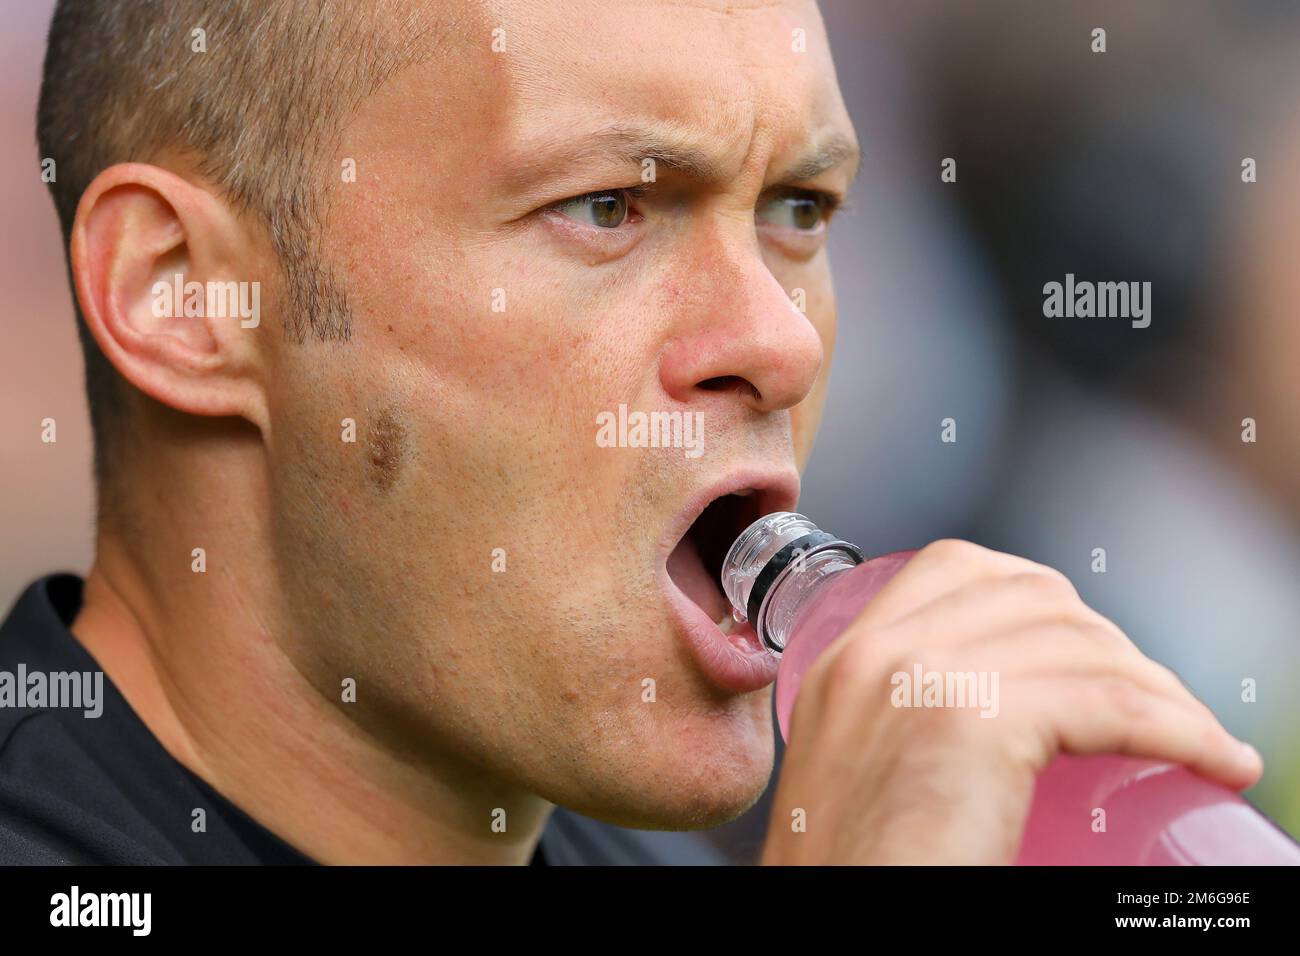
[{"x": 734, "y": 85}]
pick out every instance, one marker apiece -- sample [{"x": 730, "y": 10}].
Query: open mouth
[
  {"x": 695, "y": 564},
  {"x": 728, "y": 653}
]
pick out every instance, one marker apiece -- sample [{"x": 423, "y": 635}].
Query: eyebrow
[
  {"x": 633, "y": 145},
  {"x": 627, "y": 144},
  {"x": 836, "y": 150}
]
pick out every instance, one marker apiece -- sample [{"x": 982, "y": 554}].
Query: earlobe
[{"x": 155, "y": 262}]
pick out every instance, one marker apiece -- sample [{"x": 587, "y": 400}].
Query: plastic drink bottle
[{"x": 799, "y": 587}]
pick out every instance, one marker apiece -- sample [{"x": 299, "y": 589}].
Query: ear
[{"x": 161, "y": 266}]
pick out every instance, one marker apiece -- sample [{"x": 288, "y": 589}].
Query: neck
[{"x": 200, "y": 658}]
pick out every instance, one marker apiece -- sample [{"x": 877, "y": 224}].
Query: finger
[
  {"x": 1089, "y": 716},
  {"x": 1079, "y": 649},
  {"x": 939, "y": 568},
  {"x": 988, "y": 606},
  {"x": 1079, "y": 645}
]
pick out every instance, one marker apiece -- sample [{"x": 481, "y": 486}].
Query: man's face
[{"x": 494, "y": 576}]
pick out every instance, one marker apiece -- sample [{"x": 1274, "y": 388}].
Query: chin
[{"x": 705, "y": 770}]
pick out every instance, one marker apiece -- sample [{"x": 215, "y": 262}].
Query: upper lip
[{"x": 777, "y": 490}]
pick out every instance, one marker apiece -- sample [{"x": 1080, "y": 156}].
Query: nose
[{"x": 735, "y": 329}]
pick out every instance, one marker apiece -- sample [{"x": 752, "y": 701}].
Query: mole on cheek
[{"x": 387, "y": 449}]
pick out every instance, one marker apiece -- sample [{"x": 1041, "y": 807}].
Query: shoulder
[
  {"x": 59, "y": 804},
  {"x": 67, "y": 758}
]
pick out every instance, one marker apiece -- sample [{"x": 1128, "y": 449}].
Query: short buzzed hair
[{"x": 254, "y": 91}]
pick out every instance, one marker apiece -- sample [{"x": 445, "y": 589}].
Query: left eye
[
  {"x": 801, "y": 210},
  {"x": 607, "y": 210}
]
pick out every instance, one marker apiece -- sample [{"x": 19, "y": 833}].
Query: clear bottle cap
[
  {"x": 751, "y": 551},
  {"x": 781, "y": 553}
]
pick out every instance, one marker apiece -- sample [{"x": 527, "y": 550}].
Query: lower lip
[{"x": 735, "y": 669}]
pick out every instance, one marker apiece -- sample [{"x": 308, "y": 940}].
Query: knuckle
[
  {"x": 1028, "y": 751},
  {"x": 1103, "y": 633},
  {"x": 869, "y": 671},
  {"x": 929, "y": 660},
  {"x": 1210, "y": 735},
  {"x": 1105, "y": 629},
  {"x": 1175, "y": 684},
  {"x": 1049, "y": 582},
  {"x": 1125, "y": 700},
  {"x": 951, "y": 551},
  {"x": 851, "y": 672}
]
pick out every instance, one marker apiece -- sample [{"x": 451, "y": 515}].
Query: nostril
[{"x": 726, "y": 383}]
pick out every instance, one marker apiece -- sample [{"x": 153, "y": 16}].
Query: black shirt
[{"x": 103, "y": 790}]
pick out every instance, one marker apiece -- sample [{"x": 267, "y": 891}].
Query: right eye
[{"x": 607, "y": 209}]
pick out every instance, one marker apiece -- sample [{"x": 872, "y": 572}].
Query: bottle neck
[
  {"x": 775, "y": 567},
  {"x": 796, "y": 587}
]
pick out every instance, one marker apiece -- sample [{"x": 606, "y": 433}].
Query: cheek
[{"x": 805, "y": 418}]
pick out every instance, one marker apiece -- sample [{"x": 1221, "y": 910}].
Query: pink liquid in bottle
[{"x": 1154, "y": 813}]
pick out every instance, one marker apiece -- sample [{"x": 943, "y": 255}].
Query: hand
[{"x": 881, "y": 784}]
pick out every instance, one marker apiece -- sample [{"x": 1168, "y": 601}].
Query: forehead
[{"x": 747, "y": 78}]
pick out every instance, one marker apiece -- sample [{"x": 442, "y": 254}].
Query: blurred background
[{"x": 1072, "y": 435}]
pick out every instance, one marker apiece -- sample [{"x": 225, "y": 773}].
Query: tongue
[{"x": 688, "y": 573}]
